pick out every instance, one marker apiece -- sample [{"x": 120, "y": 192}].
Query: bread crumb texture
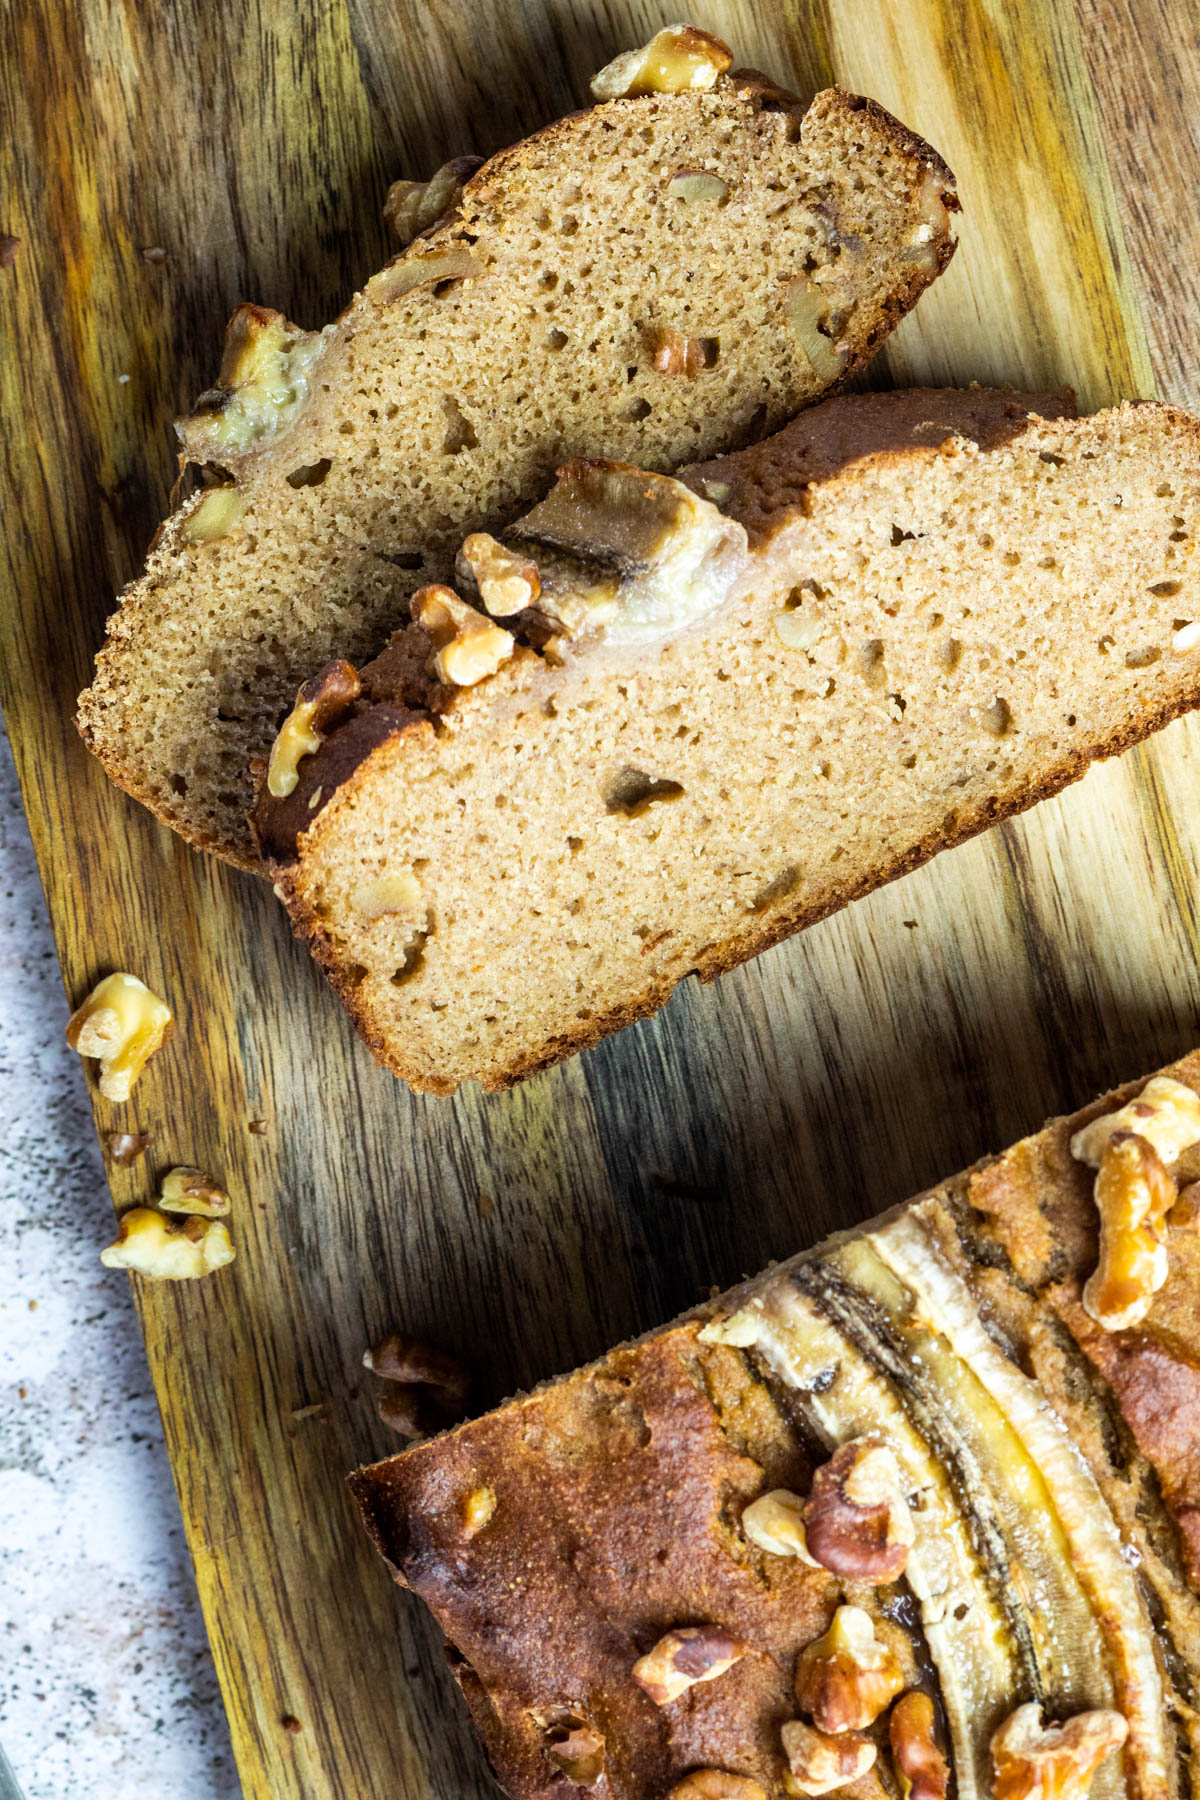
[
  {"x": 522, "y": 329},
  {"x": 944, "y": 608}
]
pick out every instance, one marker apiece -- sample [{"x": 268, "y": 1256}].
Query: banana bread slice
[
  {"x": 901, "y": 1512},
  {"x": 660, "y": 277},
  {"x": 739, "y": 700}
]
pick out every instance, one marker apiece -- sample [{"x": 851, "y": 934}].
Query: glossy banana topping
[{"x": 1026, "y": 1591}]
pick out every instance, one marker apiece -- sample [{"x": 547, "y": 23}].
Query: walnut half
[
  {"x": 150, "y": 1245},
  {"x": 123, "y": 1024},
  {"x": 1134, "y": 1194},
  {"x": 467, "y": 647},
  {"x": 690, "y": 1654},
  {"x": 1166, "y": 1113},
  {"x": 427, "y": 1390},
  {"x": 412, "y": 207},
  {"x": 677, "y": 59},
  {"x": 1032, "y": 1761},
  {"x": 187, "y": 1190},
  {"x": 820, "y": 1761},
  {"x": 845, "y": 1679},
  {"x": 717, "y": 1784},
  {"x": 921, "y": 1768},
  {"x": 857, "y": 1522}
]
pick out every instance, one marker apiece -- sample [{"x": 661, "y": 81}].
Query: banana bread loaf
[
  {"x": 918, "y": 1508},
  {"x": 735, "y": 702},
  {"x": 672, "y": 272}
]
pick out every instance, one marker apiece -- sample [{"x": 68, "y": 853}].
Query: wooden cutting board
[{"x": 253, "y": 142}]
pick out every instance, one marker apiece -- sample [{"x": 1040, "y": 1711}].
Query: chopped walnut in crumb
[
  {"x": 679, "y": 58},
  {"x": 573, "y": 1745},
  {"x": 845, "y": 1679},
  {"x": 819, "y": 1762},
  {"x": 427, "y": 1389},
  {"x": 684, "y": 1657},
  {"x": 477, "y": 1509},
  {"x": 674, "y": 354},
  {"x": 1032, "y": 1761},
  {"x": 149, "y": 1244},
  {"x": 413, "y": 207},
  {"x": 467, "y": 647},
  {"x": 122, "y": 1024},
  {"x": 507, "y": 582},
  {"x": 320, "y": 704}
]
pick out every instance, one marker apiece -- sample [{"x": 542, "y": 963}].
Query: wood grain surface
[{"x": 252, "y": 142}]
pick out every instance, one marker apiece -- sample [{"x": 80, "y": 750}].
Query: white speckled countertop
[{"x": 107, "y": 1688}]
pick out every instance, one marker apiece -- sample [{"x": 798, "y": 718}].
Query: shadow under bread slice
[
  {"x": 672, "y": 271},
  {"x": 729, "y": 705},
  {"x": 727, "y": 1561}
]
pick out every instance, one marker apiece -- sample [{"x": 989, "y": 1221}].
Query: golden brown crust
[
  {"x": 641, "y": 1463},
  {"x": 619, "y": 1490}
]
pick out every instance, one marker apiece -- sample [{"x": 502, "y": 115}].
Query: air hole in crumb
[
  {"x": 1049, "y": 456},
  {"x": 574, "y": 845},
  {"x": 178, "y": 785},
  {"x": 905, "y": 537},
  {"x": 778, "y": 888},
  {"x": 986, "y": 540},
  {"x": 357, "y": 973},
  {"x": 1178, "y": 537},
  {"x": 402, "y": 559},
  {"x": 710, "y": 350},
  {"x": 909, "y": 761},
  {"x": 1165, "y": 491},
  {"x": 637, "y": 409},
  {"x": 1011, "y": 558},
  {"x": 1071, "y": 719},
  {"x": 632, "y": 792},
  {"x": 1163, "y": 590},
  {"x": 950, "y": 654},
  {"x": 995, "y": 717},
  {"x": 346, "y": 427},
  {"x": 871, "y": 664},
  {"x": 460, "y": 433},
  {"x": 311, "y": 475},
  {"x": 1143, "y": 658},
  {"x": 1105, "y": 645},
  {"x": 414, "y": 956},
  {"x": 556, "y": 339}
]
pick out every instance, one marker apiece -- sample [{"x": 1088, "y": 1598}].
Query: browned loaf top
[
  {"x": 659, "y": 277},
  {"x": 1048, "y": 1494},
  {"x": 903, "y": 617}
]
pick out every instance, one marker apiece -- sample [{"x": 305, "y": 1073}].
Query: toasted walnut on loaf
[
  {"x": 776, "y": 244},
  {"x": 729, "y": 704},
  {"x": 632, "y": 1603}
]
